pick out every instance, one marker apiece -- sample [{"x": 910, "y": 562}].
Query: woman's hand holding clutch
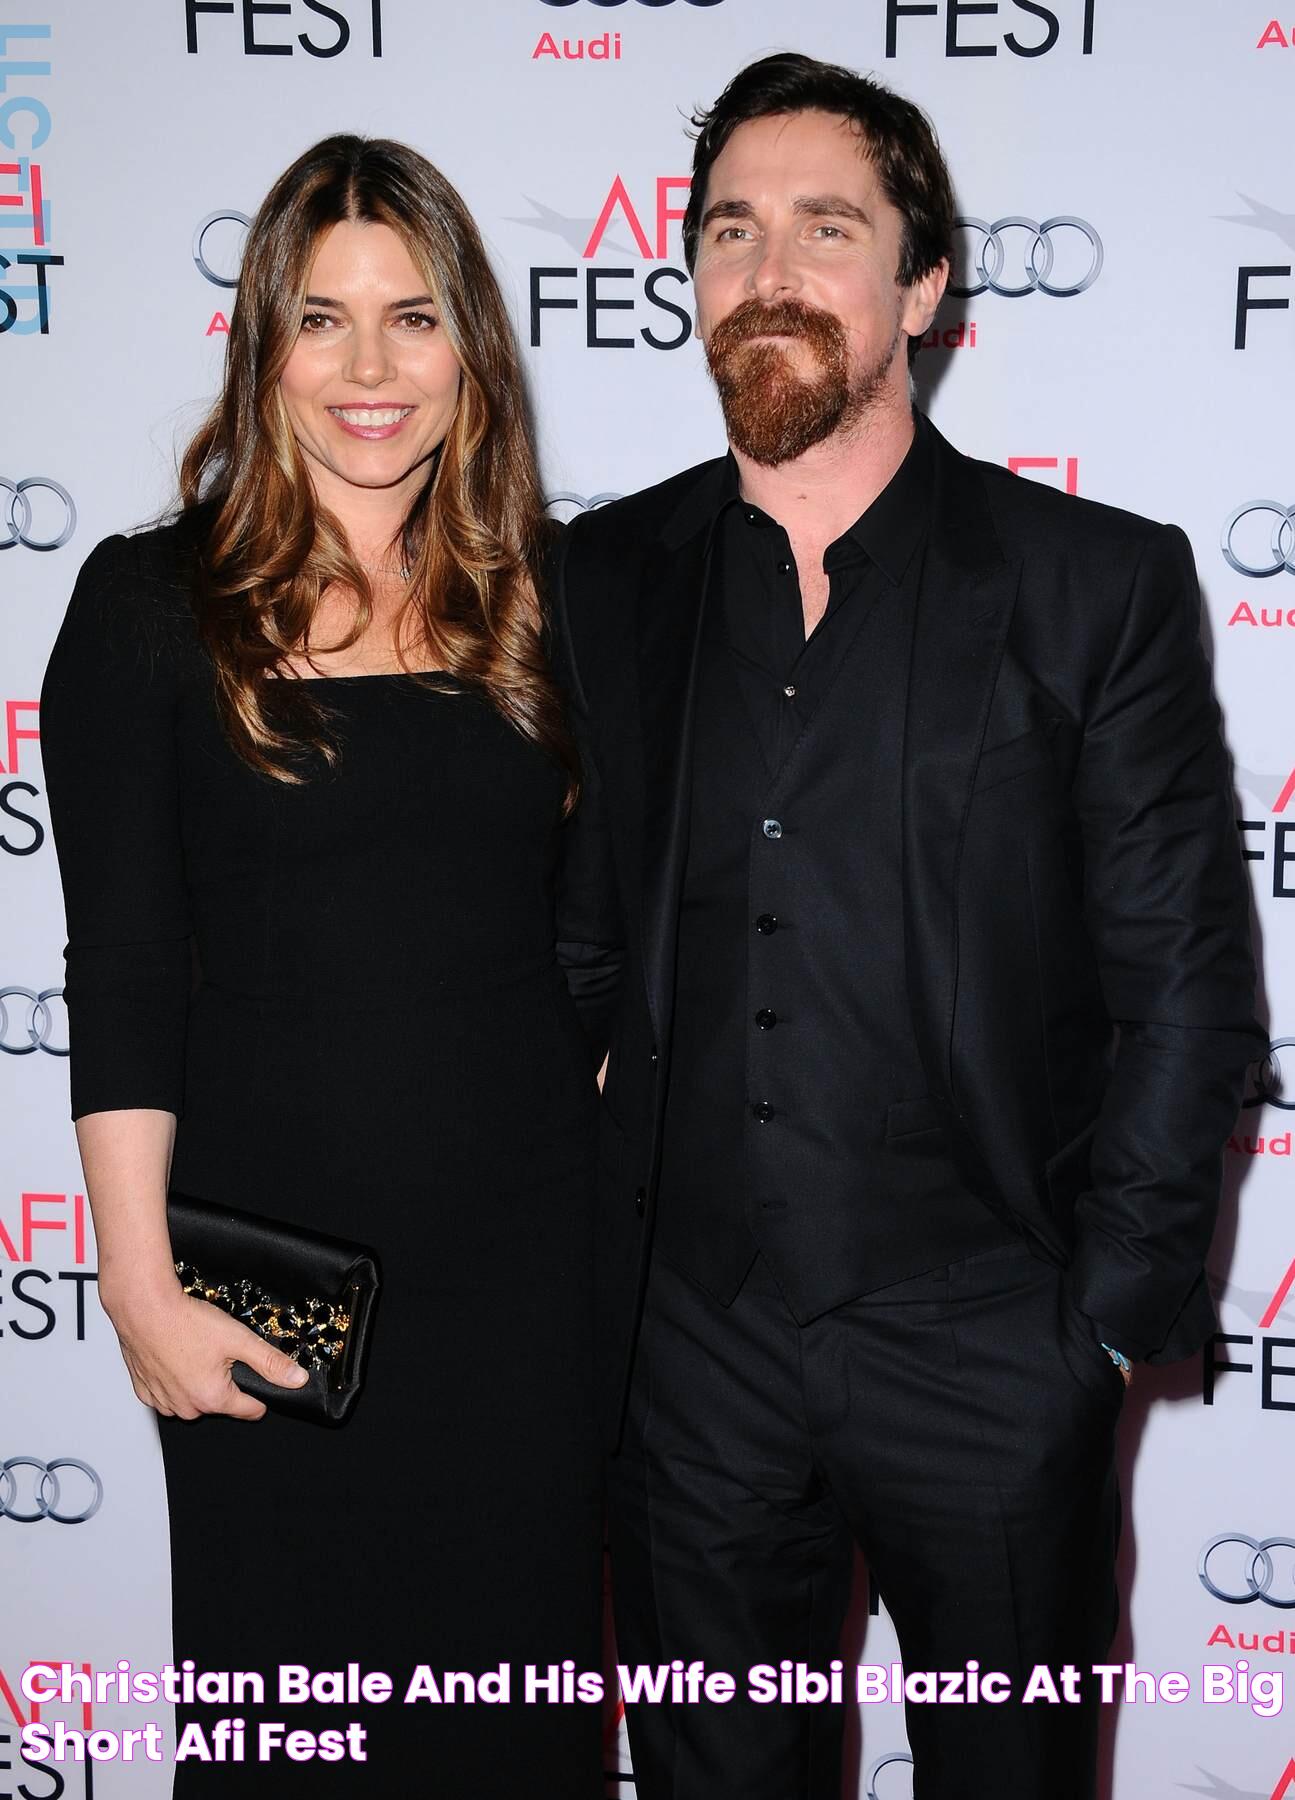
[{"x": 179, "y": 1351}]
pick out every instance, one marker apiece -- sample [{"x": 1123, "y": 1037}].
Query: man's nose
[{"x": 776, "y": 275}]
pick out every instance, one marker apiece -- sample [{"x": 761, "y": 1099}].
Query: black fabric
[
  {"x": 755, "y": 606},
  {"x": 1077, "y": 965},
  {"x": 797, "y": 1119},
  {"x": 960, "y": 1428},
  {"x": 380, "y": 1046}
]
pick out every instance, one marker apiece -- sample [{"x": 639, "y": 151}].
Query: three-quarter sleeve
[{"x": 108, "y": 740}]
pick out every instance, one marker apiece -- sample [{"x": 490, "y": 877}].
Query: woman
[{"x": 351, "y": 773}]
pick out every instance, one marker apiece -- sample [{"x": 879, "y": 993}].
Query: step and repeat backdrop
[{"x": 1120, "y": 325}]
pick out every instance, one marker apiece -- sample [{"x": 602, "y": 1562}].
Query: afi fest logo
[
  {"x": 1261, "y": 287},
  {"x": 635, "y": 226},
  {"x": 1019, "y": 465},
  {"x": 1267, "y": 1365},
  {"x": 1271, "y": 839},
  {"x": 340, "y": 25},
  {"x": 21, "y": 832},
  {"x": 73, "y": 1780},
  {"x": 1031, "y": 29},
  {"x": 38, "y": 1302},
  {"x": 25, "y": 220}
]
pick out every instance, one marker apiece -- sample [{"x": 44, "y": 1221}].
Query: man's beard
[{"x": 773, "y": 414}]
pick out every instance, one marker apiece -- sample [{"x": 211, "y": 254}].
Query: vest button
[
  {"x": 640, "y": 1201},
  {"x": 762, "y": 1111},
  {"x": 767, "y": 924},
  {"x": 772, "y": 828},
  {"x": 766, "y": 1019}
]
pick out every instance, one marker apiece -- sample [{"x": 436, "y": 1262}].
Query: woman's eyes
[{"x": 317, "y": 322}]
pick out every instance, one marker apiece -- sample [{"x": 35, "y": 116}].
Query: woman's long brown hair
[{"x": 473, "y": 538}]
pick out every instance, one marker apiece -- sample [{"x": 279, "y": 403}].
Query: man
[{"x": 907, "y": 888}]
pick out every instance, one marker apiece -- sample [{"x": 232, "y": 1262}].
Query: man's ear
[{"x": 922, "y": 300}]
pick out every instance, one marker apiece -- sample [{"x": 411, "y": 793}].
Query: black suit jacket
[{"x": 1076, "y": 913}]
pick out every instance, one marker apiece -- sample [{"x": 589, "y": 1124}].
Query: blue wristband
[{"x": 1121, "y": 1361}]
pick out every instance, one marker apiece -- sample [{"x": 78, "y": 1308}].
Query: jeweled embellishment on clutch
[{"x": 312, "y": 1332}]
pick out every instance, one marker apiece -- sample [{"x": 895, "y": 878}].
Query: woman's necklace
[{"x": 384, "y": 569}]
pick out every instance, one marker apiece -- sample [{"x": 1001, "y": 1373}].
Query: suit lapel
[
  {"x": 966, "y": 596},
  {"x": 671, "y": 607}
]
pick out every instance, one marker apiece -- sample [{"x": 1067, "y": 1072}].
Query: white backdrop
[{"x": 1161, "y": 385}]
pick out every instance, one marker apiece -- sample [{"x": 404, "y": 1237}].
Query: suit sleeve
[
  {"x": 1168, "y": 911},
  {"x": 109, "y": 752},
  {"x": 591, "y": 935}
]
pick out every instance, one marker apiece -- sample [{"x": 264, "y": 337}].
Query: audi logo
[
  {"x": 58, "y": 516},
  {"x": 894, "y": 1786},
  {"x": 225, "y": 216},
  {"x": 23, "y": 1037},
  {"x": 564, "y": 506},
  {"x": 1038, "y": 254},
  {"x": 1268, "y": 1078},
  {"x": 48, "y": 1498},
  {"x": 1254, "y": 1574},
  {"x": 1280, "y": 547}
]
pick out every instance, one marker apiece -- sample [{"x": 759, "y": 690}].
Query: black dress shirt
[
  {"x": 798, "y": 1120},
  {"x": 760, "y": 617}
]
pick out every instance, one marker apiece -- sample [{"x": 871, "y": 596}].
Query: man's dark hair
[{"x": 895, "y": 135}]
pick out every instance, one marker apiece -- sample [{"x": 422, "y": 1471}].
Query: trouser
[{"x": 959, "y": 1427}]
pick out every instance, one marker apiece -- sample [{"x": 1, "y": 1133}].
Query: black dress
[{"x": 374, "y": 1039}]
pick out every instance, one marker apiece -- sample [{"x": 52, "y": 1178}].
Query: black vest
[{"x": 798, "y": 1121}]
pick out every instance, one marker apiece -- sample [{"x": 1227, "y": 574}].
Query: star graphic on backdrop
[
  {"x": 1219, "y": 1789},
  {"x": 575, "y": 232},
  {"x": 1249, "y": 1300},
  {"x": 1263, "y": 218},
  {"x": 1260, "y": 785}
]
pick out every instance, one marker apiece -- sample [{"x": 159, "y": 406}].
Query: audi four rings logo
[
  {"x": 565, "y": 506},
  {"x": 1268, "y": 1078},
  {"x": 1036, "y": 255},
  {"x": 46, "y": 526},
  {"x": 1251, "y": 1572},
  {"x": 27, "y": 1021},
  {"x": 893, "y": 1786},
  {"x": 226, "y": 216},
  {"x": 1254, "y": 556},
  {"x": 37, "y": 1492}
]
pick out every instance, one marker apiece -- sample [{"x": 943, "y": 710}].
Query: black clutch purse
[{"x": 310, "y": 1295}]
